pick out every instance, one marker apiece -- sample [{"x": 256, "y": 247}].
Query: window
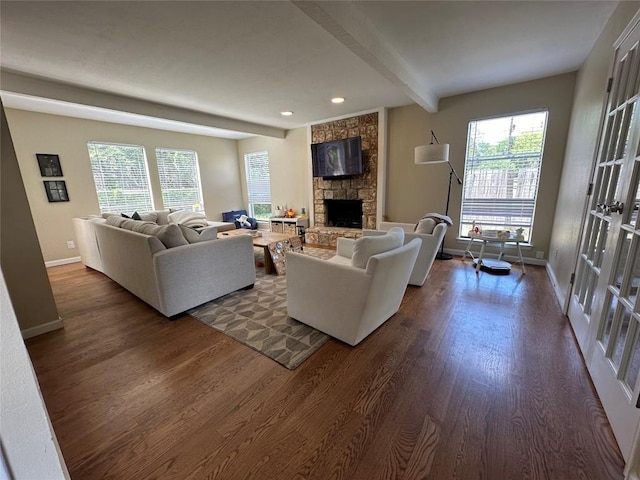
[
  {"x": 121, "y": 177},
  {"x": 258, "y": 184},
  {"x": 179, "y": 179},
  {"x": 502, "y": 172}
]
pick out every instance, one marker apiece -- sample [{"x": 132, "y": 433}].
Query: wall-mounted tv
[{"x": 337, "y": 158}]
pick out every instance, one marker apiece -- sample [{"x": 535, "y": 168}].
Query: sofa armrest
[{"x": 193, "y": 274}]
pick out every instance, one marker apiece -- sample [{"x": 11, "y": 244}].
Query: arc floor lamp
[{"x": 437, "y": 153}]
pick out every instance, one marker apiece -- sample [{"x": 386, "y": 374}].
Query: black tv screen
[{"x": 337, "y": 158}]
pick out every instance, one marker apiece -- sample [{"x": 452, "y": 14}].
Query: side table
[{"x": 494, "y": 240}]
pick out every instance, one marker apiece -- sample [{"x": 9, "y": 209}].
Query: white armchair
[
  {"x": 430, "y": 245},
  {"x": 345, "y": 301}
]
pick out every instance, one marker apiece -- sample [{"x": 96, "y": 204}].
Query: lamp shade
[{"x": 432, "y": 153}]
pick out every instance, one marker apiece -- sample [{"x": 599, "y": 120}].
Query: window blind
[
  {"x": 179, "y": 179},
  {"x": 502, "y": 172},
  {"x": 258, "y": 184},
  {"x": 121, "y": 177}
]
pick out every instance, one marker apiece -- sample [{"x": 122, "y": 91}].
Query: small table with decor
[
  {"x": 498, "y": 239},
  {"x": 274, "y": 245}
]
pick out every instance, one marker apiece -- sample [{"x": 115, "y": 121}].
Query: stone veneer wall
[{"x": 360, "y": 187}]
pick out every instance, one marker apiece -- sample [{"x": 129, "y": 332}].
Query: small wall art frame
[
  {"x": 49, "y": 164},
  {"x": 56, "y": 190}
]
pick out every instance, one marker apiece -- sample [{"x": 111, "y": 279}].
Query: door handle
[{"x": 616, "y": 207}]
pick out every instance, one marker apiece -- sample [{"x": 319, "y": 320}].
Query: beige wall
[
  {"x": 413, "y": 190},
  {"x": 20, "y": 254},
  {"x": 290, "y": 167},
  {"x": 41, "y": 133},
  {"x": 581, "y": 143}
]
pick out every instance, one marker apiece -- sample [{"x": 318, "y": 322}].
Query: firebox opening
[{"x": 344, "y": 213}]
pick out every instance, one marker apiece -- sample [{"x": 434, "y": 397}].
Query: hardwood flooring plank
[{"x": 477, "y": 376}]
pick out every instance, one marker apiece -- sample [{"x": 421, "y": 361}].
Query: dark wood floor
[{"x": 475, "y": 377}]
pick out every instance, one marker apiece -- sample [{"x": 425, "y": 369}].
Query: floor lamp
[{"x": 437, "y": 153}]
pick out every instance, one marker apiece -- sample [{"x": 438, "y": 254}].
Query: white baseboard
[
  {"x": 556, "y": 288},
  {"x": 62, "y": 261},
  {"x": 44, "y": 328},
  {"x": 509, "y": 258}
]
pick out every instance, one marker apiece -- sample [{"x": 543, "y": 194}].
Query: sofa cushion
[
  {"x": 426, "y": 225},
  {"x": 365, "y": 247},
  {"x": 200, "y": 235},
  {"x": 170, "y": 235},
  {"x": 115, "y": 220}
]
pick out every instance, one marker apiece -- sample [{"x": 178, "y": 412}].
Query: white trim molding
[
  {"x": 62, "y": 261},
  {"x": 44, "y": 328}
]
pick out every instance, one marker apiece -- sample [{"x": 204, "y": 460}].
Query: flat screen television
[{"x": 337, "y": 158}]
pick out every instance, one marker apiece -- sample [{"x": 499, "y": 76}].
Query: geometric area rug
[{"x": 258, "y": 318}]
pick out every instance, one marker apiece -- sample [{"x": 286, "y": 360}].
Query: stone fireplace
[
  {"x": 362, "y": 188},
  {"x": 343, "y": 213}
]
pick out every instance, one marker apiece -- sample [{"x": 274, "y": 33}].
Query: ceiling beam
[
  {"x": 355, "y": 31},
  {"x": 38, "y": 87}
]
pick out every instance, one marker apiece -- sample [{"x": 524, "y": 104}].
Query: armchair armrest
[
  {"x": 407, "y": 227},
  {"x": 344, "y": 247}
]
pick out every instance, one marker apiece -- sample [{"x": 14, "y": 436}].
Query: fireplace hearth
[{"x": 344, "y": 213}]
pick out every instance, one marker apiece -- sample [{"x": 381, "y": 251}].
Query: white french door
[{"x": 605, "y": 307}]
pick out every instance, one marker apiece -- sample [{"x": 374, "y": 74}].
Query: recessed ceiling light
[
  {"x": 337, "y": 100},
  {"x": 287, "y": 113}
]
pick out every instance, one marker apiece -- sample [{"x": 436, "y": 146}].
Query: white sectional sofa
[{"x": 173, "y": 276}]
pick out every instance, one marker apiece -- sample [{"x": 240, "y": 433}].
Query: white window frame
[
  {"x": 189, "y": 202},
  {"x": 495, "y": 198},
  {"x": 102, "y": 166},
  {"x": 258, "y": 189}
]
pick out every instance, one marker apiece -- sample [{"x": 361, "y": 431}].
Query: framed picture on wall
[
  {"x": 56, "y": 190},
  {"x": 49, "y": 164}
]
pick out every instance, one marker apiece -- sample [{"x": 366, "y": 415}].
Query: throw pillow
[
  {"x": 195, "y": 236},
  {"x": 426, "y": 225},
  {"x": 148, "y": 216},
  {"x": 365, "y": 247},
  {"x": 136, "y": 216},
  {"x": 124, "y": 215},
  {"x": 170, "y": 235}
]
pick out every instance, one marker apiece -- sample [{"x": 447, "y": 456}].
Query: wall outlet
[
  {"x": 71, "y": 244},
  {"x": 539, "y": 254}
]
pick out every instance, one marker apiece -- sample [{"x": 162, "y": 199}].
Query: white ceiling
[{"x": 251, "y": 60}]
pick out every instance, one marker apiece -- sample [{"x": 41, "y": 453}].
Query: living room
[{"x": 409, "y": 190}]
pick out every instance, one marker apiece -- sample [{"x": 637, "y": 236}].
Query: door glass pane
[
  {"x": 582, "y": 277},
  {"x": 616, "y": 122},
  {"x": 601, "y": 192},
  {"x": 612, "y": 302},
  {"x": 633, "y": 220},
  {"x": 633, "y": 72},
  {"x": 602, "y": 241},
  {"x": 591, "y": 292},
  {"x": 613, "y": 184},
  {"x": 626, "y": 133},
  {"x": 593, "y": 240},
  {"x": 631, "y": 290},
  {"x": 621, "y": 338},
  {"x": 634, "y": 364},
  {"x": 623, "y": 259}
]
